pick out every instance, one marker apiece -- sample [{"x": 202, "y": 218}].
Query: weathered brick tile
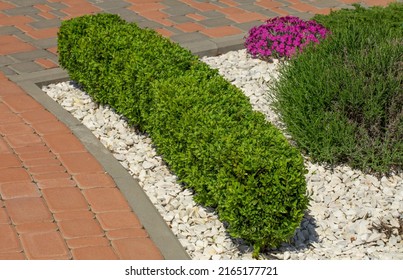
[
  {"x": 136, "y": 249},
  {"x": 28, "y": 210},
  {"x": 106, "y": 200},
  {"x": 45, "y": 246},
  {"x": 19, "y": 190},
  {"x": 118, "y": 220},
  {"x": 65, "y": 199},
  {"x": 94, "y": 253}
]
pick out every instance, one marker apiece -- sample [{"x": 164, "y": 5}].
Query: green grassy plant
[{"x": 342, "y": 101}]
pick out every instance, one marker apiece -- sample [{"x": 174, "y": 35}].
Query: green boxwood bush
[
  {"x": 342, "y": 100},
  {"x": 202, "y": 126}
]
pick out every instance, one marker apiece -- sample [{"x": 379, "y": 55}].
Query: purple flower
[{"x": 283, "y": 37}]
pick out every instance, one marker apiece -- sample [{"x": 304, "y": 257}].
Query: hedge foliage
[{"x": 202, "y": 126}]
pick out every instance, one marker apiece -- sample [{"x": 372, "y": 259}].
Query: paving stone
[
  {"x": 89, "y": 181},
  {"x": 106, "y": 200},
  {"x": 136, "y": 249},
  {"x": 216, "y": 22},
  {"x": 28, "y": 10},
  {"x": 73, "y": 215},
  {"x": 64, "y": 199},
  {"x": 26, "y": 67},
  {"x": 179, "y": 10},
  {"x": 9, "y": 242},
  {"x": 4, "y": 218},
  {"x": 45, "y": 246},
  {"x": 28, "y": 210},
  {"x": 56, "y": 5},
  {"x": 9, "y": 161},
  {"x": 80, "y": 162},
  {"x": 45, "y": 43},
  {"x": 4, "y": 148},
  {"x": 6, "y": 70},
  {"x": 149, "y": 24},
  {"x": 38, "y": 158},
  {"x": 56, "y": 183},
  {"x": 127, "y": 15},
  {"x": 12, "y": 256},
  {"x": 6, "y": 60},
  {"x": 15, "y": 129},
  {"x": 180, "y": 19},
  {"x": 34, "y": 148},
  {"x": 126, "y": 233},
  {"x": 58, "y": 13},
  {"x": 37, "y": 170},
  {"x": 46, "y": 23},
  {"x": 11, "y": 44},
  {"x": 87, "y": 242},
  {"x": 14, "y": 175},
  {"x": 80, "y": 228},
  {"x": 20, "y": 103},
  {"x": 18, "y": 190},
  {"x": 8, "y": 30},
  {"x": 94, "y": 253},
  {"x": 63, "y": 143},
  {"x": 210, "y": 14},
  {"x": 109, "y": 5},
  {"x": 118, "y": 220},
  {"x": 36, "y": 227},
  {"x": 50, "y": 127},
  {"x": 38, "y": 115},
  {"x": 23, "y": 140},
  {"x": 189, "y": 37},
  {"x": 26, "y": 3}
]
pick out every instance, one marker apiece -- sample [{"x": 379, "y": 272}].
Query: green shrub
[
  {"x": 342, "y": 101},
  {"x": 202, "y": 126},
  {"x": 232, "y": 158},
  {"x": 116, "y": 62}
]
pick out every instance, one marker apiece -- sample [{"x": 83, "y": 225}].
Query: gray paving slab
[
  {"x": 56, "y": 5},
  {"x": 6, "y": 60},
  {"x": 25, "y": 67},
  {"x": 211, "y": 14},
  {"x": 45, "y": 43},
  {"x": 8, "y": 71},
  {"x": 31, "y": 55},
  {"x": 109, "y": 5},
  {"x": 8, "y": 30},
  {"x": 127, "y": 15},
  {"x": 245, "y": 27},
  {"x": 189, "y": 37},
  {"x": 26, "y": 10},
  {"x": 46, "y": 23},
  {"x": 179, "y": 10},
  {"x": 58, "y": 13},
  {"x": 180, "y": 19},
  {"x": 26, "y": 3},
  {"x": 216, "y": 22},
  {"x": 201, "y": 48}
]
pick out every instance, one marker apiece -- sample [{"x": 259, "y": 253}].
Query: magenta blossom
[{"x": 283, "y": 37}]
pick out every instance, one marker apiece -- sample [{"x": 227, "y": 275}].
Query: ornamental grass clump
[
  {"x": 283, "y": 37},
  {"x": 342, "y": 101}
]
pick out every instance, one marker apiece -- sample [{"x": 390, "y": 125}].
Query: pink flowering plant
[{"x": 283, "y": 37}]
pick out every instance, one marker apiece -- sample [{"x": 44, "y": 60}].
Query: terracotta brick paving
[{"x": 56, "y": 201}]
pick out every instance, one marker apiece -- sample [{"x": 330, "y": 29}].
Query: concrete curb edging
[{"x": 148, "y": 215}]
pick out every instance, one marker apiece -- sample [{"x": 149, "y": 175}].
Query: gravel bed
[{"x": 351, "y": 215}]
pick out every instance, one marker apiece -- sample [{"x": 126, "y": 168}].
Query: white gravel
[{"x": 351, "y": 215}]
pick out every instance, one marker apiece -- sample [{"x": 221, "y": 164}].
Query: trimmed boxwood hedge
[{"x": 202, "y": 126}]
